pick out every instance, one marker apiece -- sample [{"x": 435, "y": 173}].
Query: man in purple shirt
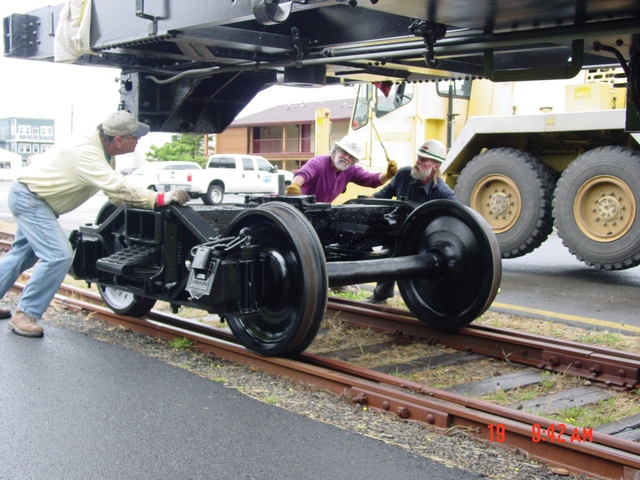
[{"x": 327, "y": 176}]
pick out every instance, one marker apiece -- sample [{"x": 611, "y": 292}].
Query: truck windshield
[
  {"x": 380, "y": 98},
  {"x": 457, "y": 88}
]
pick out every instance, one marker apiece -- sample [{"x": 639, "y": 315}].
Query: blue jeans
[{"x": 39, "y": 236}]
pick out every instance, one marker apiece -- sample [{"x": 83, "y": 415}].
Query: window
[
  {"x": 227, "y": 162},
  {"x": 361, "y": 108},
  {"x": 263, "y": 165},
  {"x": 44, "y": 148},
  {"x": 35, "y": 148},
  {"x": 46, "y": 132},
  {"x": 24, "y": 130},
  {"x": 222, "y": 162},
  {"x": 180, "y": 166},
  {"x": 24, "y": 148},
  {"x": 459, "y": 88},
  {"x": 396, "y": 97},
  {"x": 247, "y": 163}
]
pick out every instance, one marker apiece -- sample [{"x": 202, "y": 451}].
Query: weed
[
  {"x": 181, "y": 343},
  {"x": 602, "y": 412},
  {"x": 547, "y": 381},
  {"x": 271, "y": 400}
]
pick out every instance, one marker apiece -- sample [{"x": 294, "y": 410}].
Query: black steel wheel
[
  {"x": 105, "y": 212},
  {"x": 596, "y": 208},
  {"x": 512, "y": 190},
  {"x": 469, "y": 272},
  {"x": 296, "y": 297}
]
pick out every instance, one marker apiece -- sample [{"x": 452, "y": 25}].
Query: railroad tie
[
  {"x": 503, "y": 383},
  {"x": 574, "y": 397}
]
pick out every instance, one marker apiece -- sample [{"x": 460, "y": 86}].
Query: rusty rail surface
[
  {"x": 589, "y": 452},
  {"x": 598, "y": 364}
]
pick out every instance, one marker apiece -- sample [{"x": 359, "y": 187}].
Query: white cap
[
  {"x": 352, "y": 145},
  {"x": 122, "y": 123},
  {"x": 432, "y": 149}
]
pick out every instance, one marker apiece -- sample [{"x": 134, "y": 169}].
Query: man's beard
[
  {"x": 341, "y": 164},
  {"x": 421, "y": 174}
]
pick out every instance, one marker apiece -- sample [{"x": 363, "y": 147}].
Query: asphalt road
[
  {"x": 548, "y": 283},
  {"x": 76, "y": 408},
  {"x": 552, "y": 283}
]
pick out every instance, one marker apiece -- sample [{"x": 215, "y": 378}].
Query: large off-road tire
[
  {"x": 512, "y": 190},
  {"x": 596, "y": 208}
]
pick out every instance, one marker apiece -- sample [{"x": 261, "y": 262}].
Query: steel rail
[
  {"x": 613, "y": 368},
  {"x": 600, "y": 455}
]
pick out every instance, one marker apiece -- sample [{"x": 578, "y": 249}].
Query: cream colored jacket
[{"x": 68, "y": 174}]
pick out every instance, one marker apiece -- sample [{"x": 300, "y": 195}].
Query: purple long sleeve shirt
[{"x": 321, "y": 180}]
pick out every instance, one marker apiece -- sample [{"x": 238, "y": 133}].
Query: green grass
[
  {"x": 606, "y": 338},
  {"x": 604, "y": 411},
  {"x": 180, "y": 343}
]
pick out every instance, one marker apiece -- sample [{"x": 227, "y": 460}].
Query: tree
[{"x": 182, "y": 147}]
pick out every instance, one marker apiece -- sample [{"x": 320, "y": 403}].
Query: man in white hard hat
[
  {"x": 327, "y": 176},
  {"x": 420, "y": 183},
  {"x": 63, "y": 178}
]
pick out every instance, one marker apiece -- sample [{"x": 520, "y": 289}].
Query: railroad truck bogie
[{"x": 266, "y": 266}]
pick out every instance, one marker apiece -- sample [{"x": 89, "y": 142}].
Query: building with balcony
[
  {"x": 26, "y": 136},
  {"x": 286, "y": 134},
  {"x": 9, "y": 164}
]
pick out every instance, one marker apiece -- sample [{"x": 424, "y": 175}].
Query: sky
[{"x": 79, "y": 97}]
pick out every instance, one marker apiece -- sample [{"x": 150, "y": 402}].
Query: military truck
[{"x": 526, "y": 155}]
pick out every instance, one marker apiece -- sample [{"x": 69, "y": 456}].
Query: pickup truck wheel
[
  {"x": 295, "y": 288},
  {"x": 214, "y": 195},
  {"x": 596, "y": 209},
  {"x": 512, "y": 190}
]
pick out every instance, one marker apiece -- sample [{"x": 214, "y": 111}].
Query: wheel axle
[{"x": 428, "y": 265}]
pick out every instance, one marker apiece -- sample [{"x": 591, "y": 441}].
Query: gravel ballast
[{"x": 454, "y": 447}]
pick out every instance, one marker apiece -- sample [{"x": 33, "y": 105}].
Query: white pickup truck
[{"x": 224, "y": 173}]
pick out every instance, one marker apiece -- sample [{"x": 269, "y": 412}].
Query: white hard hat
[
  {"x": 352, "y": 145},
  {"x": 432, "y": 149}
]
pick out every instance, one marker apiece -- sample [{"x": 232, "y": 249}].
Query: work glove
[
  {"x": 173, "y": 196},
  {"x": 293, "y": 189},
  {"x": 392, "y": 168}
]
